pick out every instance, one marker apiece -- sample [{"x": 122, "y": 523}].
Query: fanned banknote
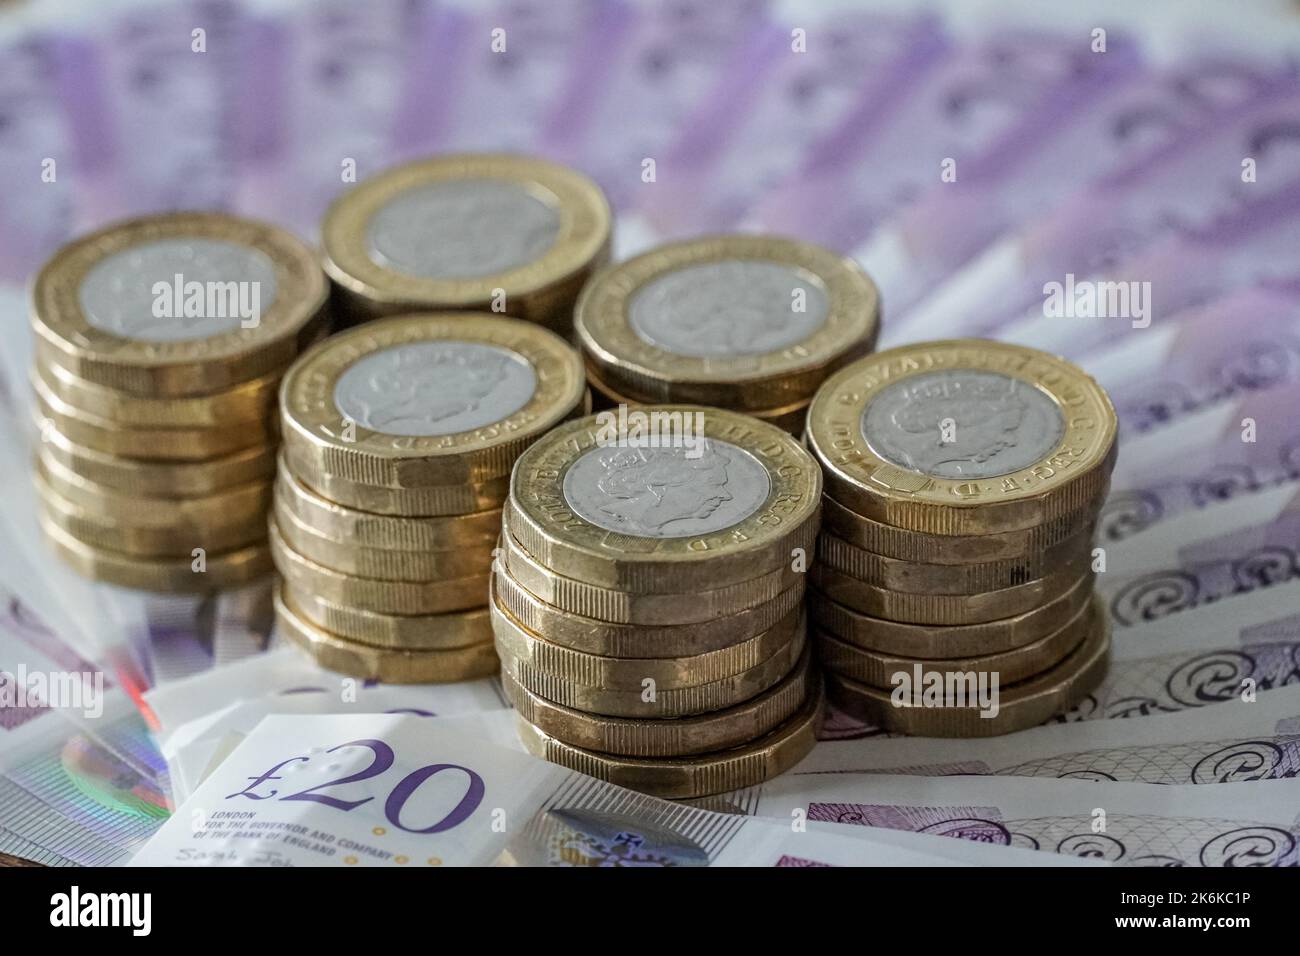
[
  {"x": 1254, "y": 738},
  {"x": 387, "y": 790},
  {"x": 1034, "y": 287},
  {"x": 1129, "y": 824}
]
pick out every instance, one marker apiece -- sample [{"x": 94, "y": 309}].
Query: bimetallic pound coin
[
  {"x": 947, "y": 609},
  {"x": 681, "y": 778},
  {"x": 179, "y": 304},
  {"x": 918, "y": 577},
  {"x": 225, "y": 508},
  {"x": 631, "y": 673},
  {"x": 198, "y": 574},
  {"x": 173, "y": 532},
  {"x": 788, "y": 418},
  {"x": 650, "y": 700},
  {"x": 963, "y": 437},
  {"x": 1011, "y": 666},
  {"x": 425, "y": 401},
  {"x": 608, "y": 639},
  {"x": 743, "y": 322},
  {"x": 410, "y": 632},
  {"x": 659, "y": 499},
  {"x": 633, "y": 607},
  {"x": 390, "y": 665},
  {"x": 175, "y": 444},
  {"x": 947, "y": 641},
  {"x": 152, "y": 478},
  {"x": 253, "y": 402},
  {"x": 468, "y": 232},
  {"x": 963, "y": 710},
  {"x": 951, "y": 549},
  {"x": 474, "y": 530},
  {"x": 374, "y": 594},
  {"x": 684, "y": 736},
  {"x": 349, "y": 557},
  {"x": 432, "y": 501}
]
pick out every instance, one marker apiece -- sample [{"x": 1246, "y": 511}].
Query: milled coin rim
[
  {"x": 1021, "y": 705},
  {"x": 789, "y": 418},
  {"x": 668, "y": 703},
  {"x": 940, "y": 641},
  {"x": 156, "y": 477},
  {"x": 392, "y": 532},
  {"x": 435, "y": 501},
  {"x": 630, "y": 363},
  {"x": 247, "y": 502},
  {"x": 1014, "y": 664},
  {"x": 375, "y": 594},
  {"x": 155, "y": 542},
  {"x": 538, "y": 516},
  {"x": 350, "y": 557},
  {"x": 313, "y": 426},
  {"x": 186, "y": 367},
  {"x": 585, "y": 230},
  {"x": 187, "y": 444},
  {"x": 629, "y": 673},
  {"x": 685, "y": 778},
  {"x": 389, "y": 665},
  {"x": 679, "y": 737},
  {"x": 253, "y": 400},
  {"x": 224, "y": 570},
  {"x": 413, "y": 632},
  {"x": 949, "y": 549},
  {"x": 947, "y": 609},
  {"x": 975, "y": 577},
  {"x": 621, "y": 606},
  {"x": 609, "y": 639},
  {"x": 863, "y": 481}
]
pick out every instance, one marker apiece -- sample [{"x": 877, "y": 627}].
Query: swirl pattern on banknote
[
  {"x": 1129, "y": 839},
  {"x": 1154, "y": 596},
  {"x": 1258, "y": 366},
  {"x": 1266, "y": 567},
  {"x": 1127, "y": 513},
  {"x": 1225, "y": 482},
  {"x": 1157, "y": 405},
  {"x": 1174, "y": 682},
  {"x": 1199, "y": 763}
]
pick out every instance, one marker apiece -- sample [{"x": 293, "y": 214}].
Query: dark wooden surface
[{"x": 7, "y": 860}]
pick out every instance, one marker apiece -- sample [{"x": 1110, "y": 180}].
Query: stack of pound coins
[
  {"x": 493, "y": 232},
  {"x": 399, "y": 437},
  {"x": 159, "y": 347},
  {"x": 749, "y": 323},
  {"x": 648, "y": 599},
  {"x": 953, "y": 591}
]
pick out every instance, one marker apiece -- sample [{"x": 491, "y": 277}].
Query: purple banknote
[
  {"x": 618, "y": 119},
  {"x": 1074, "y": 278},
  {"x": 1043, "y": 160},
  {"x": 878, "y": 162},
  {"x": 752, "y": 134}
]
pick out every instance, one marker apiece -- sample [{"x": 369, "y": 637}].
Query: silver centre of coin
[
  {"x": 178, "y": 290},
  {"x": 462, "y": 229},
  {"x": 731, "y": 308},
  {"x": 434, "y": 388},
  {"x": 665, "y": 492},
  {"x": 962, "y": 423}
]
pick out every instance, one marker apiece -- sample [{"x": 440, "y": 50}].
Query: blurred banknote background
[{"x": 961, "y": 151}]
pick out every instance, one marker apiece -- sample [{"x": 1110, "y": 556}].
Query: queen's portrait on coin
[
  {"x": 647, "y": 488},
  {"x": 962, "y": 424},
  {"x": 418, "y": 389}
]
